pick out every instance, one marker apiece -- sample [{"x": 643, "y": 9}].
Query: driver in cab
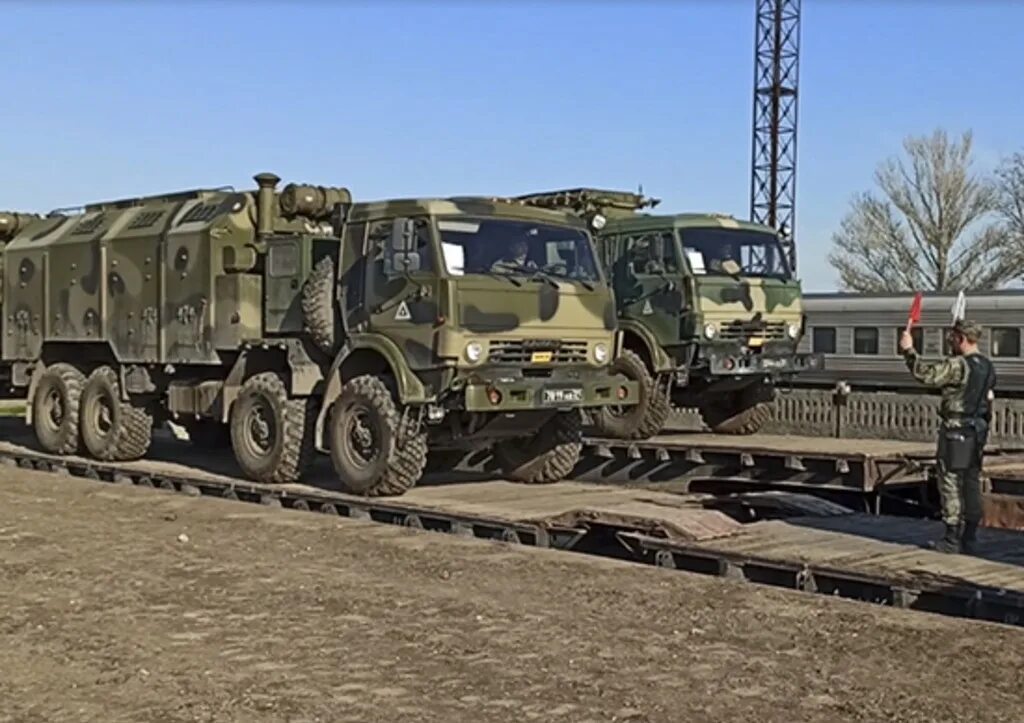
[
  {"x": 514, "y": 260},
  {"x": 724, "y": 261}
]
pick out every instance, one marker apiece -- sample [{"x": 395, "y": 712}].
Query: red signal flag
[{"x": 915, "y": 310}]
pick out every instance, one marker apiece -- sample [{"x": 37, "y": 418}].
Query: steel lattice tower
[{"x": 773, "y": 165}]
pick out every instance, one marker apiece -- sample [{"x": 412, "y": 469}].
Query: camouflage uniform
[{"x": 966, "y": 382}]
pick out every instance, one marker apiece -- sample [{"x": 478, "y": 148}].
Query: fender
[
  {"x": 305, "y": 375},
  {"x": 409, "y": 388},
  {"x": 35, "y": 371},
  {"x": 661, "y": 361}
]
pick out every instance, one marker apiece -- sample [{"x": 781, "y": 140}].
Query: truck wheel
[
  {"x": 318, "y": 304},
  {"x": 271, "y": 433},
  {"x": 55, "y": 408},
  {"x": 113, "y": 430},
  {"x": 646, "y": 418},
  {"x": 374, "y": 449},
  {"x": 208, "y": 434},
  {"x": 744, "y": 412},
  {"x": 548, "y": 456}
]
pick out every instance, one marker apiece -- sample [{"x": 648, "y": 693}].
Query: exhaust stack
[{"x": 266, "y": 203}]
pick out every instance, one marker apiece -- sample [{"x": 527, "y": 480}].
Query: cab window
[{"x": 645, "y": 256}]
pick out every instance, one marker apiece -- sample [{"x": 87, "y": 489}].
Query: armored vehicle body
[
  {"x": 710, "y": 312},
  {"x": 287, "y": 321}
]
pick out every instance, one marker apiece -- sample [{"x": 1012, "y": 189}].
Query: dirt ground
[{"x": 123, "y": 604}]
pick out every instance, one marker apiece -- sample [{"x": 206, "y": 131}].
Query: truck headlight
[
  {"x": 600, "y": 353},
  {"x": 793, "y": 331},
  {"x": 710, "y": 331},
  {"x": 474, "y": 351}
]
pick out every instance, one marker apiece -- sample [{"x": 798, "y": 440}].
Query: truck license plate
[
  {"x": 562, "y": 396},
  {"x": 541, "y": 357}
]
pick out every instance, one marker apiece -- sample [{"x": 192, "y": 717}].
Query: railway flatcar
[{"x": 858, "y": 335}]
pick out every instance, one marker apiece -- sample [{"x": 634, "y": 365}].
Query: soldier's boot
[
  {"x": 970, "y": 538},
  {"x": 948, "y": 543}
]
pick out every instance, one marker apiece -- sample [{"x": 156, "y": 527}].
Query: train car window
[
  {"x": 1005, "y": 341},
  {"x": 933, "y": 342},
  {"x": 823, "y": 340},
  {"x": 865, "y": 340},
  {"x": 917, "y": 334}
]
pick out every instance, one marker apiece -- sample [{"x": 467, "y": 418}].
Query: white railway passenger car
[{"x": 858, "y": 335}]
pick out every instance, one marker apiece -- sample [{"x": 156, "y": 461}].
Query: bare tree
[
  {"x": 1011, "y": 198},
  {"x": 934, "y": 226}
]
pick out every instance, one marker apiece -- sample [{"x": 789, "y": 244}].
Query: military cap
[{"x": 971, "y": 330}]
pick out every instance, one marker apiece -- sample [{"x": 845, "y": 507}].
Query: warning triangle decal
[
  {"x": 648, "y": 309},
  {"x": 403, "y": 312}
]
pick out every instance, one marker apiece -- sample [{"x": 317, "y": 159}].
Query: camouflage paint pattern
[
  {"x": 752, "y": 311},
  {"x": 447, "y": 313},
  {"x": 182, "y": 278}
]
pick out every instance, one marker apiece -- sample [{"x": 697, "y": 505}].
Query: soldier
[
  {"x": 515, "y": 260},
  {"x": 967, "y": 380}
]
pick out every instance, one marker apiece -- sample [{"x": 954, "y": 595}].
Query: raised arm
[{"x": 935, "y": 374}]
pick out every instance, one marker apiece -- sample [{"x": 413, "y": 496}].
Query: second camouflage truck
[
  {"x": 286, "y": 321},
  {"x": 710, "y": 311}
]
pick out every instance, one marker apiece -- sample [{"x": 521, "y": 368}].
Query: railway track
[{"x": 779, "y": 538}]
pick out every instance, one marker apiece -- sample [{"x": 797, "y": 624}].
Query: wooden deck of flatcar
[{"x": 796, "y": 541}]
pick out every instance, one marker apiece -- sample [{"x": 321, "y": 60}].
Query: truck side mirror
[
  {"x": 407, "y": 262},
  {"x": 403, "y": 235},
  {"x": 659, "y": 247}
]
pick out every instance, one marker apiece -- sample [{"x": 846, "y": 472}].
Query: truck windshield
[
  {"x": 752, "y": 253},
  {"x": 502, "y": 246}
]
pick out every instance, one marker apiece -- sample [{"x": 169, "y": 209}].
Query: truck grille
[
  {"x": 746, "y": 329},
  {"x": 515, "y": 351}
]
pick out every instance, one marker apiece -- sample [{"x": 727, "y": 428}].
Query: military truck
[
  {"x": 288, "y": 321},
  {"x": 709, "y": 309}
]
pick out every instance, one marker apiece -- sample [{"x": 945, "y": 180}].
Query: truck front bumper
[
  {"x": 502, "y": 393},
  {"x": 764, "y": 364}
]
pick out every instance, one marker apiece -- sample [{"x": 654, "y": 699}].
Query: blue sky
[{"x": 104, "y": 100}]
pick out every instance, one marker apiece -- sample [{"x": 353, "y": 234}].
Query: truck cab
[{"x": 710, "y": 311}]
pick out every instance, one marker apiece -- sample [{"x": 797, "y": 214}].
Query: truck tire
[
  {"x": 208, "y": 434},
  {"x": 744, "y": 412},
  {"x": 318, "y": 304},
  {"x": 272, "y": 433},
  {"x": 548, "y": 456},
  {"x": 647, "y": 418},
  {"x": 375, "y": 451},
  {"x": 55, "y": 405},
  {"x": 113, "y": 430}
]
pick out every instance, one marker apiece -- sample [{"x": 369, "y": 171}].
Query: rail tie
[{"x": 967, "y": 600}]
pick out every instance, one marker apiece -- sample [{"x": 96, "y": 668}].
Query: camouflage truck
[
  {"x": 288, "y": 321},
  {"x": 710, "y": 312}
]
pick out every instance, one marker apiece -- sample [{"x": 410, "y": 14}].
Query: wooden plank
[
  {"x": 795, "y": 445},
  {"x": 855, "y": 546}
]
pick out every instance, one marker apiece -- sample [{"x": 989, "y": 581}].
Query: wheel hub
[
  {"x": 103, "y": 415},
  {"x": 361, "y": 437},
  {"x": 54, "y": 408},
  {"x": 260, "y": 429}
]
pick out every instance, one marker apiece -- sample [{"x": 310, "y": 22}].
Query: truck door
[
  {"x": 648, "y": 282},
  {"x": 402, "y": 286}
]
